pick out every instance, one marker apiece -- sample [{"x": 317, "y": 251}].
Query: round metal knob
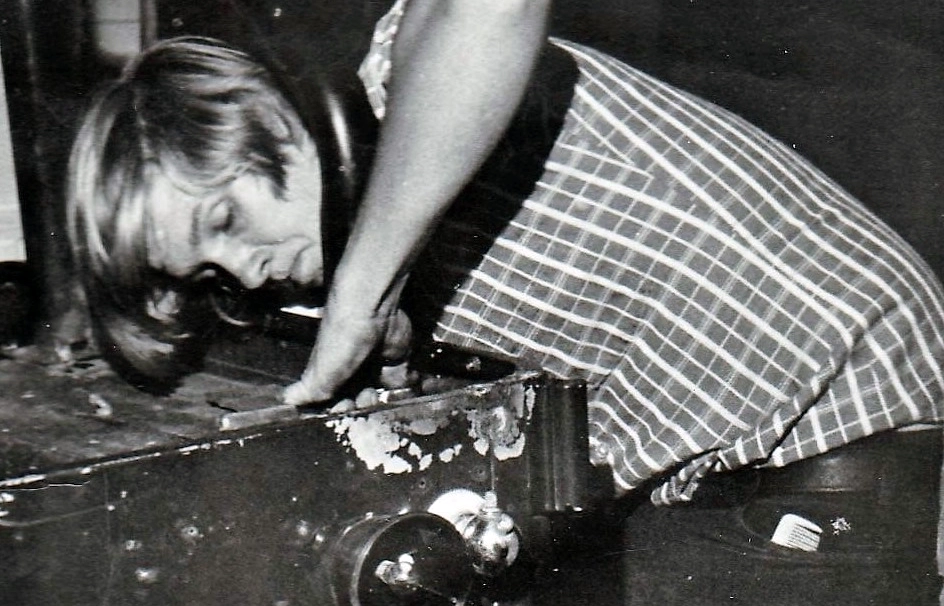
[{"x": 491, "y": 536}]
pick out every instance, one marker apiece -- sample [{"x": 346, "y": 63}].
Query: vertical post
[
  {"x": 44, "y": 66},
  {"x": 560, "y": 459}
]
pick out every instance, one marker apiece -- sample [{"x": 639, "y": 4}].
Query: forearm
[{"x": 460, "y": 68}]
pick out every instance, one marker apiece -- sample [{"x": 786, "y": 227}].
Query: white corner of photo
[{"x": 12, "y": 246}]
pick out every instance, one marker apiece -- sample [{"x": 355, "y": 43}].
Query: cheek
[{"x": 302, "y": 199}]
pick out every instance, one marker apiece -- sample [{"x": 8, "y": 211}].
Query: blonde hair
[{"x": 191, "y": 110}]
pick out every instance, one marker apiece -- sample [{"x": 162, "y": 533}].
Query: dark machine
[{"x": 111, "y": 496}]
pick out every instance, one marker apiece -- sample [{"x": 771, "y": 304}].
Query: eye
[{"x": 220, "y": 217}]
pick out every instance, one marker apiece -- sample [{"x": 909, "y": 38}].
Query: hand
[
  {"x": 342, "y": 345},
  {"x": 398, "y": 376},
  {"x": 367, "y": 398}
]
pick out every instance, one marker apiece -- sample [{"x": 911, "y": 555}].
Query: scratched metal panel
[
  {"x": 250, "y": 516},
  {"x": 58, "y": 416}
]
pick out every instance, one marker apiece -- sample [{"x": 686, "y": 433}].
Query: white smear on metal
[
  {"x": 450, "y": 453},
  {"x": 381, "y": 441},
  {"x": 499, "y": 429},
  {"x": 424, "y": 427},
  {"x": 374, "y": 441},
  {"x": 385, "y": 440},
  {"x": 31, "y": 479},
  {"x": 481, "y": 444},
  {"x": 425, "y": 461}
]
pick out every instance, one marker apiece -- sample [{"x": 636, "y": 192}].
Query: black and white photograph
[{"x": 471, "y": 303}]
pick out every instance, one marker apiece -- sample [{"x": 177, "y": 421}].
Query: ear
[
  {"x": 157, "y": 340},
  {"x": 141, "y": 354},
  {"x": 303, "y": 153}
]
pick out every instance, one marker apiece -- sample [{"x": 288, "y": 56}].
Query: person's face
[{"x": 246, "y": 230}]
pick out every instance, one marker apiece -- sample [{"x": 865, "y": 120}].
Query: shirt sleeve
[{"x": 374, "y": 71}]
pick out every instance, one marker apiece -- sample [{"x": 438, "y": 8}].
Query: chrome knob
[{"x": 491, "y": 536}]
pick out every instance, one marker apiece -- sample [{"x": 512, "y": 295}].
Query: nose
[{"x": 248, "y": 264}]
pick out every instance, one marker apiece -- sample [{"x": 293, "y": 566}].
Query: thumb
[{"x": 397, "y": 336}]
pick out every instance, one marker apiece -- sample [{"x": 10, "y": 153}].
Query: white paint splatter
[
  {"x": 450, "y": 453},
  {"x": 373, "y": 440},
  {"x": 389, "y": 441}
]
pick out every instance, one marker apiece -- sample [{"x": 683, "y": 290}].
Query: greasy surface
[
  {"x": 58, "y": 416},
  {"x": 131, "y": 499}
]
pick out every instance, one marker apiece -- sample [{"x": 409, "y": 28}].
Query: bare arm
[{"x": 460, "y": 68}]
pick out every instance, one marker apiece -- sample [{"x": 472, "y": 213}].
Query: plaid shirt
[{"x": 728, "y": 304}]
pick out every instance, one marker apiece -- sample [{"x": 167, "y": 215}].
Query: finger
[
  {"x": 366, "y": 398},
  {"x": 301, "y": 392},
  {"x": 345, "y": 405},
  {"x": 396, "y": 376},
  {"x": 296, "y": 393},
  {"x": 397, "y": 337}
]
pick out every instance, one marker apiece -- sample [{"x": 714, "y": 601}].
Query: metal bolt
[
  {"x": 190, "y": 533},
  {"x": 396, "y": 573},
  {"x": 304, "y": 529},
  {"x": 474, "y": 364}
]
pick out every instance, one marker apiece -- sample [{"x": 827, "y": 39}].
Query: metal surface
[{"x": 165, "y": 509}]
